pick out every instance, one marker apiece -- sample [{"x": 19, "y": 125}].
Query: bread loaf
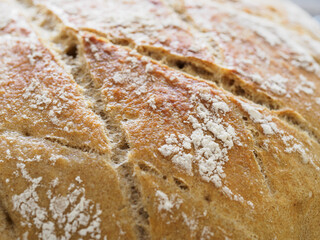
[{"x": 159, "y": 119}]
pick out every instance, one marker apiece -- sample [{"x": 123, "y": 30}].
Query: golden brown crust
[
  {"x": 142, "y": 23},
  {"x": 264, "y": 57},
  {"x": 5, "y": 228},
  {"x": 282, "y": 12},
  {"x": 38, "y": 97},
  {"x": 152, "y": 102},
  {"x": 257, "y": 54},
  {"x": 161, "y": 154},
  {"x": 301, "y": 27},
  {"x": 50, "y": 191}
]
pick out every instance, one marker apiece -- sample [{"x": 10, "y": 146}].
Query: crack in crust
[
  {"x": 263, "y": 171},
  {"x": 69, "y": 58},
  {"x": 120, "y": 149},
  {"x": 72, "y": 57},
  {"x": 229, "y": 81},
  {"x": 67, "y": 47}
]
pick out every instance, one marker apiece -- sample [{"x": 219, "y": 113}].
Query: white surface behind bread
[
  {"x": 150, "y": 119},
  {"x": 311, "y": 6}
]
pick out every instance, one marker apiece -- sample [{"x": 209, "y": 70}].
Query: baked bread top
[{"x": 149, "y": 119}]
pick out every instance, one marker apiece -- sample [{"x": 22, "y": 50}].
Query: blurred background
[{"x": 312, "y": 6}]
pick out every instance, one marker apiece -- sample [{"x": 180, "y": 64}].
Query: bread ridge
[
  {"x": 74, "y": 32},
  {"x": 229, "y": 80}
]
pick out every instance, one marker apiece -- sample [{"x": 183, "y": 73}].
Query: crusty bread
[{"x": 159, "y": 119}]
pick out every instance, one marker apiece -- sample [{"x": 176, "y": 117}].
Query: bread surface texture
[{"x": 159, "y": 119}]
